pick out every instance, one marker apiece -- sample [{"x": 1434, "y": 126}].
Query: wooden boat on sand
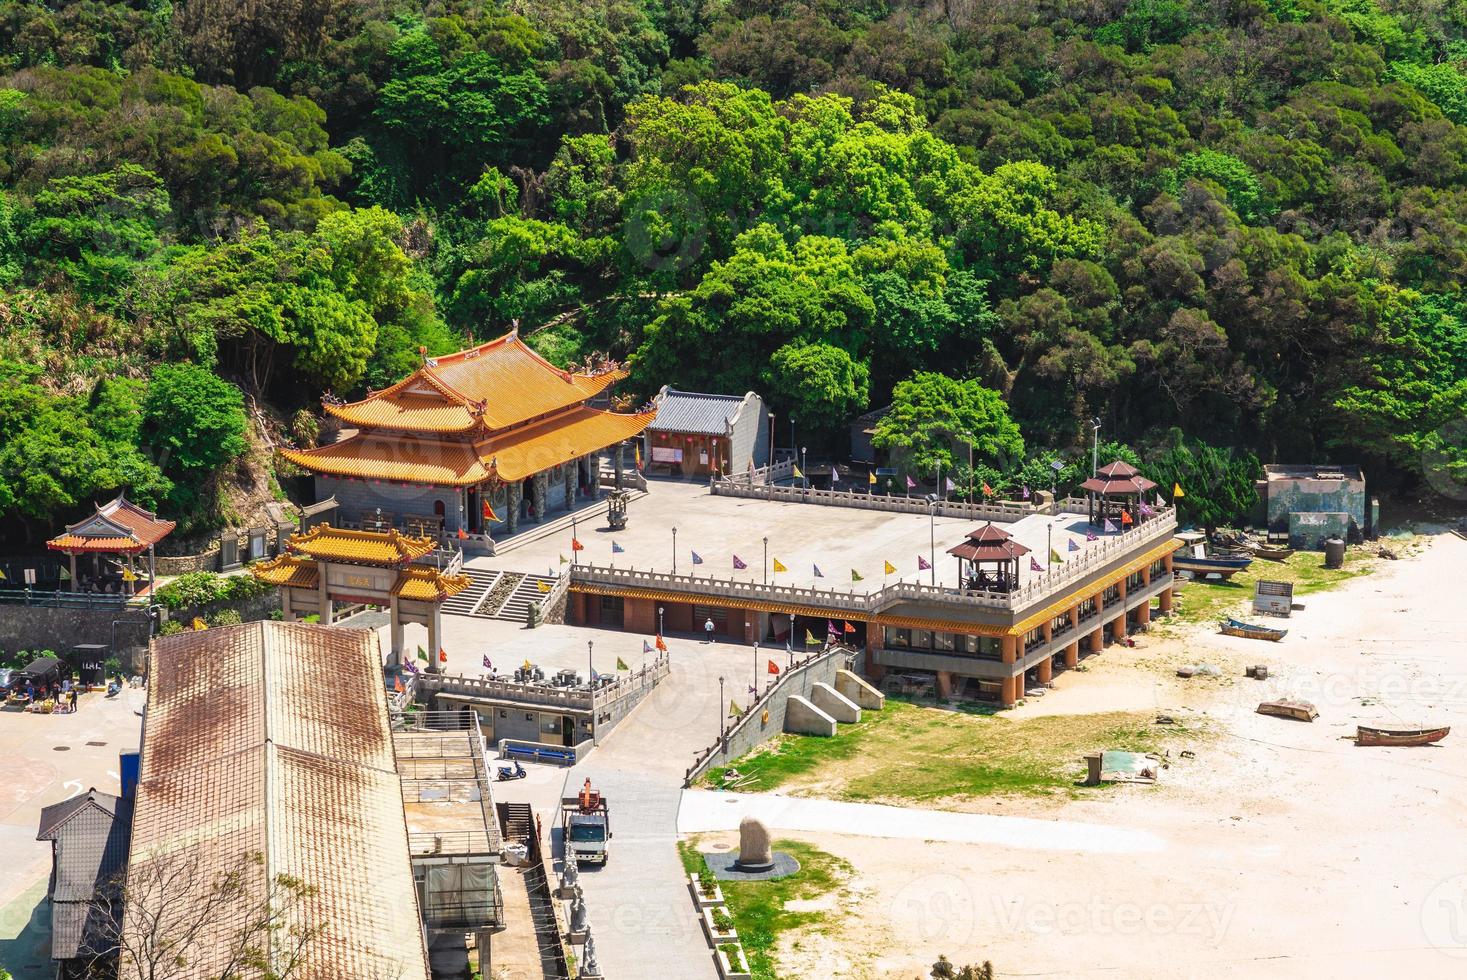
[
  {"x": 1399, "y": 734},
  {"x": 1224, "y": 567},
  {"x": 1236, "y": 627},
  {"x": 1297, "y": 710}
]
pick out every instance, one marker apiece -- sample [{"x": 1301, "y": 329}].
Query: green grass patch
[
  {"x": 758, "y": 907},
  {"x": 1208, "y": 600},
  {"x": 928, "y": 755}
]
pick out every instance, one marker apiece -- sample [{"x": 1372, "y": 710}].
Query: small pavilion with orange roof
[
  {"x": 118, "y": 527},
  {"x": 989, "y": 544},
  {"x": 472, "y": 443},
  {"x": 1116, "y": 491},
  {"x": 327, "y": 565}
]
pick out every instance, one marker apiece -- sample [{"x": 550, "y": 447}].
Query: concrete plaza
[{"x": 801, "y": 536}]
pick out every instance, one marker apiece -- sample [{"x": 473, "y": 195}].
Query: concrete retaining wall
[
  {"x": 857, "y": 690},
  {"x": 803, "y": 718},
  {"x": 46, "y": 628},
  {"x": 834, "y": 704}
]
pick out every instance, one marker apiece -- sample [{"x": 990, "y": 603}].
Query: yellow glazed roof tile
[{"x": 361, "y": 547}]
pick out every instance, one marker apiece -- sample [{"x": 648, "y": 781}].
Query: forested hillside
[{"x": 1246, "y": 219}]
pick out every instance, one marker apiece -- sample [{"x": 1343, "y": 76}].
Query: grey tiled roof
[{"x": 694, "y": 411}]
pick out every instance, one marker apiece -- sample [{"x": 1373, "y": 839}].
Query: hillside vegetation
[{"x": 1243, "y": 219}]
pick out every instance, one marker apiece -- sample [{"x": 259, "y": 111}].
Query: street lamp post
[
  {"x": 674, "y": 551},
  {"x": 720, "y": 709},
  {"x": 766, "y": 560},
  {"x": 969, "y": 437},
  {"x": 932, "y": 535},
  {"x": 804, "y": 466},
  {"x": 756, "y": 668},
  {"x": 1095, "y": 446},
  {"x": 771, "y": 447},
  {"x": 591, "y": 680},
  {"x": 659, "y": 620}
]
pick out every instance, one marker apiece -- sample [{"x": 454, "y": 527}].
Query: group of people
[{"x": 63, "y": 693}]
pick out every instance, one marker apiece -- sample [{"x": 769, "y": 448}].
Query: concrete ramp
[
  {"x": 803, "y": 718},
  {"x": 857, "y": 690},
  {"x": 833, "y": 703}
]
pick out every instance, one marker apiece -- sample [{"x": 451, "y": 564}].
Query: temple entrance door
[
  {"x": 567, "y": 730},
  {"x": 476, "y": 513}
]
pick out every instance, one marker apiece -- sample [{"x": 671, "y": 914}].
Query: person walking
[
  {"x": 708, "y": 630},
  {"x": 72, "y": 695}
]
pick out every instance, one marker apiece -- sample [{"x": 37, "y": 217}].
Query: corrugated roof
[
  {"x": 696, "y": 412},
  {"x": 272, "y": 739}
]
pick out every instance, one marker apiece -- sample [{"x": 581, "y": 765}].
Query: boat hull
[
  {"x": 1233, "y": 627},
  {"x": 1370, "y": 735}
]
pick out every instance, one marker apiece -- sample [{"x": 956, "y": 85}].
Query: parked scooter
[{"x": 506, "y": 773}]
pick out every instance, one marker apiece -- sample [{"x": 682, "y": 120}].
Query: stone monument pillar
[{"x": 755, "y": 846}]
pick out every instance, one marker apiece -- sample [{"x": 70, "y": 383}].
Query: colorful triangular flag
[
  {"x": 1054, "y": 557},
  {"x": 1034, "y": 565},
  {"x": 397, "y": 684},
  {"x": 949, "y": 484},
  {"x": 773, "y": 668},
  {"x": 798, "y": 474},
  {"x": 542, "y": 586},
  {"x": 1073, "y": 546},
  {"x": 834, "y": 475},
  {"x": 1177, "y": 490},
  {"x": 818, "y": 573},
  {"x": 442, "y": 656},
  {"x": 646, "y": 647},
  {"x": 779, "y": 566},
  {"x": 855, "y": 575},
  {"x": 409, "y": 666},
  {"x": 422, "y": 655},
  {"x": 987, "y": 490},
  {"x": 697, "y": 558},
  {"x": 128, "y": 575},
  {"x": 1109, "y": 527},
  {"x": 564, "y": 560},
  {"x": 911, "y": 483},
  {"x": 1090, "y": 536},
  {"x": 738, "y": 563},
  {"x": 923, "y": 564},
  {"x": 488, "y": 511},
  {"x": 661, "y": 644},
  {"x": 1026, "y": 492},
  {"x": 576, "y": 545},
  {"x": 616, "y": 548},
  {"x": 1126, "y": 518},
  {"x": 810, "y": 640},
  {"x": 848, "y": 627},
  {"x": 890, "y": 568},
  {"x": 733, "y": 708},
  {"x": 871, "y": 478},
  {"x": 65, "y": 576},
  {"x": 621, "y": 664},
  {"x": 488, "y": 664},
  {"x": 462, "y": 534},
  {"x": 638, "y": 450},
  {"x": 198, "y": 624}
]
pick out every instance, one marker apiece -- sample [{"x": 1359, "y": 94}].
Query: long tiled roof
[
  {"x": 429, "y": 584},
  {"x": 510, "y": 456},
  {"x": 118, "y": 526},
  {"x": 267, "y": 749},
  {"x": 361, "y": 547},
  {"x": 695, "y": 412},
  {"x": 499, "y": 384},
  {"x": 287, "y": 570}
]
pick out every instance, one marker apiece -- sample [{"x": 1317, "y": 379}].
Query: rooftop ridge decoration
[
  {"x": 389, "y": 548},
  {"x": 116, "y": 526}
]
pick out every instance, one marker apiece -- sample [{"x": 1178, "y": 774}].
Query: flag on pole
[
  {"x": 949, "y": 484},
  {"x": 1073, "y": 546},
  {"x": 488, "y": 511},
  {"x": 638, "y": 449},
  {"x": 753, "y": 691},
  {"x": 1090, "y": 536},
  {"x": 576, "y": 545},
  {"x": 855, "y": 575},
  {"x": 2, "y": 576},
  {"x": 661, "y": 644},
  {"x": 1146, "y": 510},
  {"x": 1159, "y": 501},
  {"x": 987, "y": 490},
  {"x": 810, "y": 640},
  {"x": 646, "y": 648},
  {"x": 527, "y": 665},
  {"x": 616, "y": 549},
  {"x": 796, "y": 468},
  {"x": 543, "y": 586},
  {"x": 621, "y": 664},
  {"x": 1110, "y": 527},
  {"x": 563, "y": 559},
  {"x": 409, "y": 666},
  {"x": 1054, "y": 557},
  {"x": 733, "y": 708},
  {"x": 1126, "y": 518},
  {"x": 911, "y": 484},
  {"x": 1034, "y": 565},
  {"x": 462, "y": 534},
  {"x": 834, "y": 475},
  {"x": 442, "y": 656},
  {"x": 65, "y": 576},
  {"x": 890, "y": 568},
  {"x": 739, "y": 565},
  {"x": 773, "y": 668},
  {"x": 1026, "y": 492},
  {"x": 871, "y": 478},
  {"x": 1177, "y": 490},
  {"x": 397, "y": 684},
  {"x": 697, "y": 558},
  {"x": 923, "y": 564},
  {"x": 779, "y": 566},
  {"x": 198, "y": 624},
  {"x": 488, "y": 664},
  {"x": 818, "y": 573},
  {"x": 848, "y": 627},
  {"x": 128, "y": 575},
  {"x": 422, "y": 655},
  {"x": 830, "y": 629}
]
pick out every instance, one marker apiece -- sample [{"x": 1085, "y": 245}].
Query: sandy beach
[{"x": 1285, "y": 850}]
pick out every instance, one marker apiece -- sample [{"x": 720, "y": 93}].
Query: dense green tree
[
  {"x": 194, "y": 419},
  {"x": 821, "y": 384},
  {"x": 934, "y": 419}
]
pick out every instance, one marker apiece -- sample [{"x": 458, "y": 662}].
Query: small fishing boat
[
  {"x": 1224, "y": 567},
  {"x": 1236, "y": 627},
  {"x": 1297, "y": 710},
  {"x": 1399, "y": 734},
  {"x": 1272, "y": 554}
]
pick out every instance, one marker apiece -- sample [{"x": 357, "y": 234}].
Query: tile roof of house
[
  {"x": 288, "y": 570},
  {"x": 118, "y": 526},
  {"x": 272, "y": 740},
  {"x": 428, "y": 584},
  {"x": 90, "y": 832},
  {"x": 497, "y": 384},
  {"x": 695, "y": 412}
]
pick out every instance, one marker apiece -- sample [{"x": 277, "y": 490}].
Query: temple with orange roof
[
  {"x": 472, "y": 443},
  {"x": 118, "y": 527},
  {"x": 326, "y": 566}
]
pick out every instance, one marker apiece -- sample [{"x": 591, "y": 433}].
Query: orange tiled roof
[
  {"x": 428, "y": 584},
  {"x": 117, "y": 527},
  {"x": 527, "y": 451},
  {"x": 329, "y": 543},
  {"x": 500, "y": 383},
  {"x": 300, "y": 573},
  {"x": 404, "y": 459},
  {"x": 510, "y": 456}
]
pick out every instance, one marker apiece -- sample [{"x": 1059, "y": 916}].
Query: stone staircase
[
  {"x": 516, "y": 607},
  {"x": 467, "y": 601}
]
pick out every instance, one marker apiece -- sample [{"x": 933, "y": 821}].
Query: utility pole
[{"x": 1095, "y": 446}]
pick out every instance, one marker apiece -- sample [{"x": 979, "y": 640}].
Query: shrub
[
  {"x": 722, "y": 921},
  {"x": 706, "y": 882},
  {"x": 203, "y": 588},
  {"x": 225, "y": 617},
  {"x": 170, "y": 628}
]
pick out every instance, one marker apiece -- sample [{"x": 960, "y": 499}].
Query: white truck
[{"x": 585, "y": 825}]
